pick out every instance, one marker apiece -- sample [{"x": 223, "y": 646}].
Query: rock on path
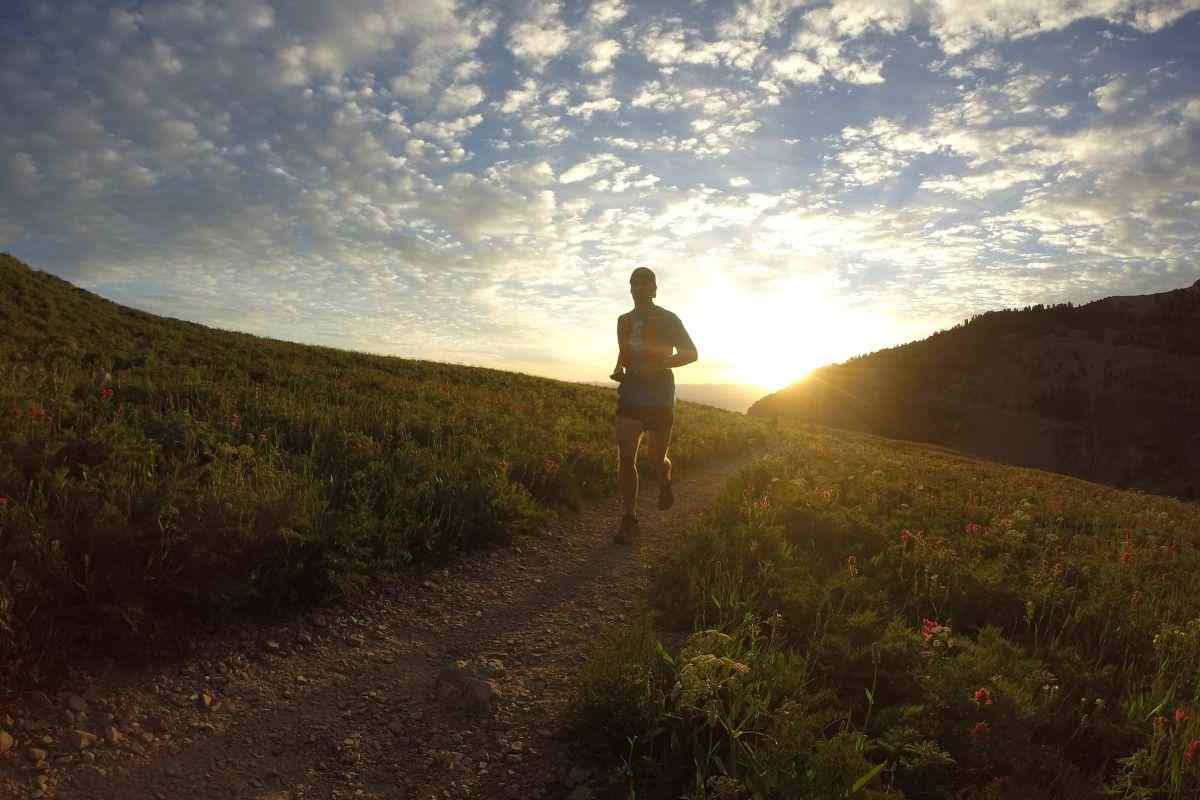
[{"x": 452, "y": 685}]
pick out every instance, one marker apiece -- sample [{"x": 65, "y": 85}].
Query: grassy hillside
[
  {"x": 1109, "y": 391},
  {"x": 871, "y": 613},
  {"x": 153, "y": 470}
]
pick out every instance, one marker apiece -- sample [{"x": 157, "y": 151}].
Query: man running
[{"x": 651, "y": 340}]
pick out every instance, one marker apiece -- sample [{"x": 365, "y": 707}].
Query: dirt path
[{"x": 357, "y": 704}]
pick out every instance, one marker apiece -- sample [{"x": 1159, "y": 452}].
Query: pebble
[
  {"x": 83, "y": 739},
  {"x": 6, "y": 741},
  {"x": 36, "y": 754}
]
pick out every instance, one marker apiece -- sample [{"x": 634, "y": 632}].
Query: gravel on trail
[{"x": 452, "y": 684}]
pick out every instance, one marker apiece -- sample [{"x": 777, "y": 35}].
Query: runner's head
[{"x": 642, "y": 285}]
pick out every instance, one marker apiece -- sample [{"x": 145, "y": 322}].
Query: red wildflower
[
  {"x": 1127, "y": 553},
  {"x": 931, "y": 628},
  {"x": 106, "y": 393},
  {"x": 983, "y": 697},
  {"x": 3, "y": 501},
  {"x": 1181, "y": 714},
  {"x": 852, "y": 565},
  {"x": 973, "y": 528},
  {"x": 980, "y": 730},
  {"x": 905, "y": 536},
  {"x": 1190, "y": 753}
]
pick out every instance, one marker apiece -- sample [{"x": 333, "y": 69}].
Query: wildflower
[
  {"x": 1127, "y": 553},
  {"x": 106, "y": 393},
  {"x": 1181, "y": 714},
  {"x": 852, "y": 566},
  {"x": 905, "y": 536},
  {"x": 1190, "y": 753},
  {"x": 1160, "y": 725},
  {"x": 504, "y": 464},
  {"x": 980, "y": 730},
  {"x": 3, "y": 501},
  {"x": 983, "y": 696},
  {"x": 973, "y": 528},
  {"x": 262, "y": 437},
  {"x": 931, "y": 628}
]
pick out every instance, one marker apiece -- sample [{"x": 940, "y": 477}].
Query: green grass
[
  {"x": 860, "y": 612},
  {"x": 155, "y": 473}
]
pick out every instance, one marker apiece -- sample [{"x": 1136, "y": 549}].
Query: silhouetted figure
[{"x": 651, "y": 341}]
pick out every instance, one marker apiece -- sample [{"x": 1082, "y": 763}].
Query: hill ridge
[{"x": 1107, "y": 391}]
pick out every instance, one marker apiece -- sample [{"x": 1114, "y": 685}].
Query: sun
[{"x": 775, "y": 334}]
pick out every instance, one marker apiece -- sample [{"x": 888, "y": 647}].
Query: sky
[{"x": 473, "y": 183}]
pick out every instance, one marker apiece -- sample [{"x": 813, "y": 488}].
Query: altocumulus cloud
[{"x": 474, "y": 181}]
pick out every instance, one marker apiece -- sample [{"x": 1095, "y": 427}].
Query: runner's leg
[
  {"x": 657, "y": 442},
  {"x": 628, "y": 436}
]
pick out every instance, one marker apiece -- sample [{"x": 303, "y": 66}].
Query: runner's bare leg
[
  {"x": 629, "y": 437},
  {"x": 657, "y": 443}
]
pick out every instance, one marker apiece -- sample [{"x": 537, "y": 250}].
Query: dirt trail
[{"x": 343, "y": 704}]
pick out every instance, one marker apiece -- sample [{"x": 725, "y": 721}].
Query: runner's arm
[
  {"x": 616, "y": 373},
  {"x": 685, "y": 349}
]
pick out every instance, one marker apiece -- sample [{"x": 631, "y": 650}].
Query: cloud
[
  {"x": 607, "y": 12},
  {"x": 669, "y": 43},
  {"x": 458, "y": 98},
  {"x": 517, "y": 99},
  {"x": 603, "y": 162},
  {"x": 602, "y": 55},
  {"x": 540, "y": 38},
  {"x": 797, "y": 67},
  {"x": 585, "y": 110},
  {"x": 1117, "y": 94},
  {"x": 961, "y": 25}
]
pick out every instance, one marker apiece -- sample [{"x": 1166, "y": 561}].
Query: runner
[{"x": 651, "y": 341}]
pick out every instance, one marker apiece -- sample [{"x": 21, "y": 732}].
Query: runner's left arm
[{"x": 685, "y": 349}]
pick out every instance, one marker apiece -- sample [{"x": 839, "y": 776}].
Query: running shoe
[
  {"x": 666, "y": 498},
  {"x": 628, "y": 530}
]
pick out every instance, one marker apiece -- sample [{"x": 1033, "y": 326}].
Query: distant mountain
[
  {"x": 731, "y": 396},
  {"x": 1108, "y": 391}
]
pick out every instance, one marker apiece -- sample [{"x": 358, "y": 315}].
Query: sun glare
[{"x": 774, "y": 338}]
